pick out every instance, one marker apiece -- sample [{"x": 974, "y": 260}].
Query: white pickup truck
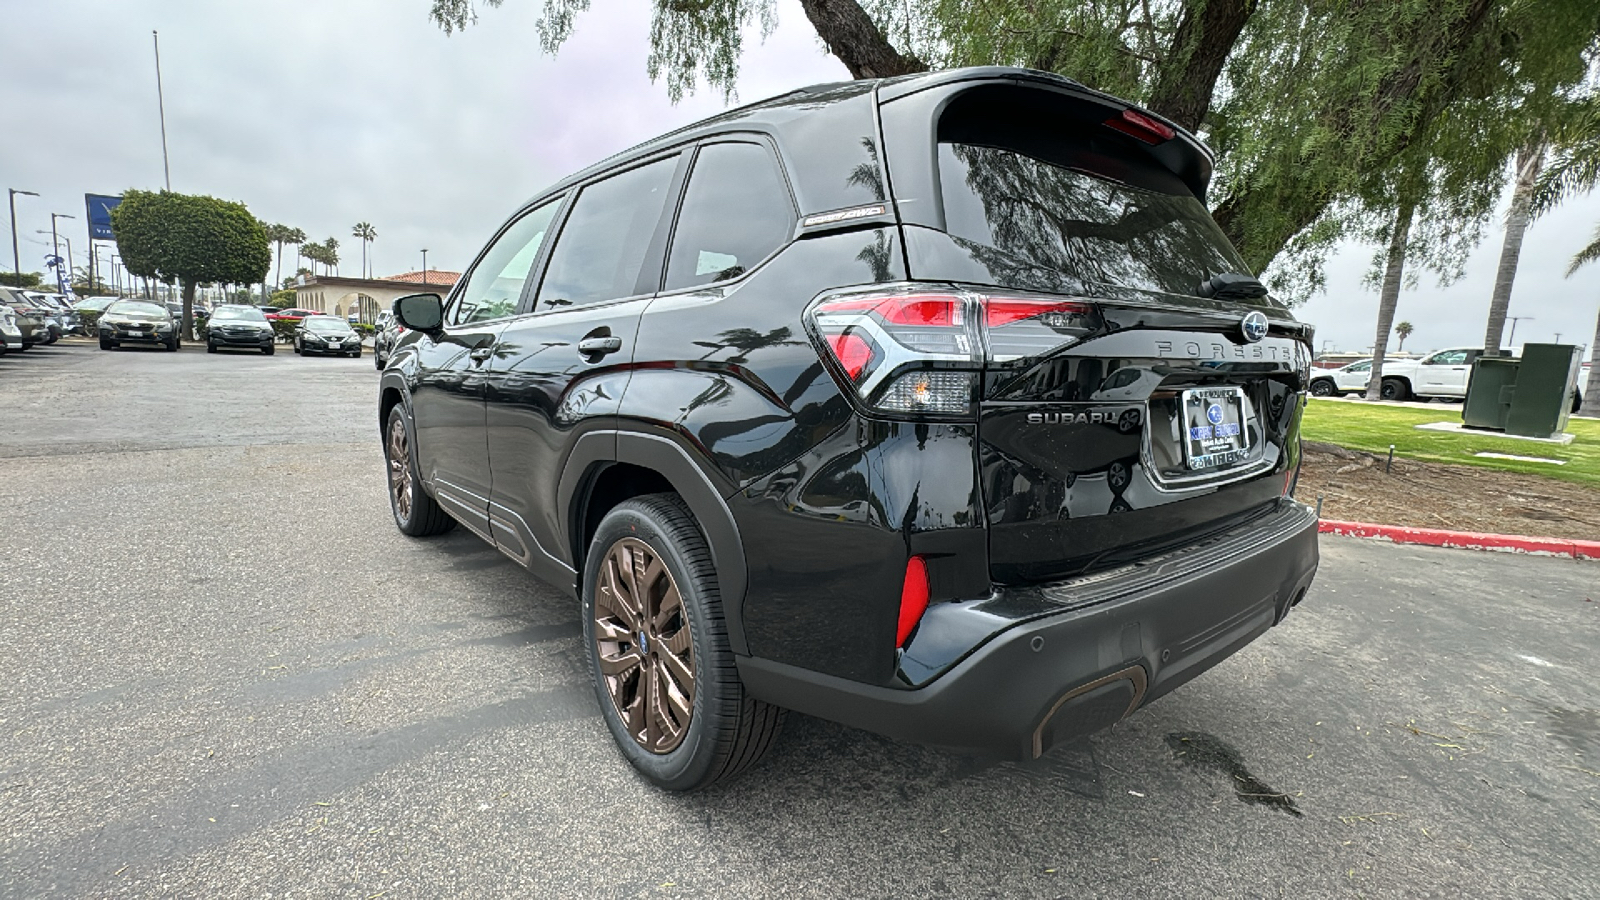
[{"x": 1441, "y": 375}]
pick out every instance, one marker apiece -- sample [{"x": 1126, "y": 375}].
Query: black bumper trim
[{"x": 1039, "y": 682}]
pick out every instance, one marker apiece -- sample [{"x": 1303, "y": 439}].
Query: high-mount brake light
[
  {"x": 913, "y": 351},
  {"x": 1138, "y": 125}
]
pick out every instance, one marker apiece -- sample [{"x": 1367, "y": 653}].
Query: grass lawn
[{"x": 1369, "y": 427}]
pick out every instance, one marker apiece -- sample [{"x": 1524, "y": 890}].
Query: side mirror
[{"x": 420, "y": 312}]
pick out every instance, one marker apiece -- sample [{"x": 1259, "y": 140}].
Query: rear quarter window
[{"x": 736, "y": 212}]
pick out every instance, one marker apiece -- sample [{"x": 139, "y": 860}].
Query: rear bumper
[
  {"x": 1127, "y": 640},
  {"x": 232, "y": 340}
]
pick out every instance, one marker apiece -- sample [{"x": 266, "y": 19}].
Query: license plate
[{"x": 1214, "y": 427}]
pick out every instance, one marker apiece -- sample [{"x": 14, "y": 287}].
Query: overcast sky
[{"x": 323, "y": 113}]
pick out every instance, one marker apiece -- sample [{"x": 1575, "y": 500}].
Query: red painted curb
[{"x": 1470, "y": 540}]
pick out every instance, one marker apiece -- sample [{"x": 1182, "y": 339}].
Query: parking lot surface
[{"x": 226, "y": 674}]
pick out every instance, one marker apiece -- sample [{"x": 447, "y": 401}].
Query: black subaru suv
[{"x": 938, "y": 406}]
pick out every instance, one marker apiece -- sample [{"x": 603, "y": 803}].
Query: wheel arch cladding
[{"x": 647, "y": 461}]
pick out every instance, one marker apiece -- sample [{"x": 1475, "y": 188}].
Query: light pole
[
  {"x": 161, "y": 102},
  {"x": 1511, "y": 341},
  {"x": 16, "y": 260},
  {"x": 424, "y": 265},
  {"x": 55, "y": 247}
]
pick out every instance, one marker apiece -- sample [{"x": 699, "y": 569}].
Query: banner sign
[
  {"x": 63, "y": 277},
  {"x": 99, "y": 207}
]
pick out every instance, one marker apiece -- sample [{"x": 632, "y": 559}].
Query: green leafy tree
[
  {"x": 367, "y": 235},
  {"x": 191, "y": 240},
  {"x": 1303, "y": 99},
  {"x": 21, "y": 280}
]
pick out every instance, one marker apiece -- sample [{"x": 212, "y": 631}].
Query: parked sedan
[
  {"x": 31, "y": 330},
  {"x": 239, "y": 326},
  {"x": 10, "y": 334},
  {"x": 138, "y": 322},
  {"x": 47, "y": 324},
  {"x": 385, "y": 333},
  {"x": 324, "y": 335}
]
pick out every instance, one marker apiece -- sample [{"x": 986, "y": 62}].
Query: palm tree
[
  {"x": 280, "y": 235},
  {"x": 367, "y": 234},
  {"x": 330, "y": 254},
  {"x": 1591, "y": 391},
  {"x": 1404, "y": 329}
]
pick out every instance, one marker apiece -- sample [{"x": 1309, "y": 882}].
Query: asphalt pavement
[{"x": 226, "y": 674}]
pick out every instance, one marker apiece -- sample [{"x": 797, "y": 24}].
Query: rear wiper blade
[{"x": 1232, "y": 286}]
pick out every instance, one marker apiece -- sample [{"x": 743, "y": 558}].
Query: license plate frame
[{"x": 1216, "y": 428}]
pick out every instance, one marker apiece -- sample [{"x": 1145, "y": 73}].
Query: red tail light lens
[
  {"x": 913, "y": 599},
  {"x": 852, "y": 351},
  {"x": 1002, "y": 311},
  {"x": 909, "y": 350}
]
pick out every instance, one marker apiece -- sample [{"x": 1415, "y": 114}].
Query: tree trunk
[
  {"x": 854, "y": 38},
  {"x": 187, "y": 328},
  {"x": 1591, "y": 391},
  {"x": 1530, "y": 160},
  {"x": 1389, "y": 296},
  {"x": 278, "y": 282},
  {"x": 1206, "y": 35}
]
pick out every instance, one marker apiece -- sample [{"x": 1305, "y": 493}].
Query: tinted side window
[
  {"x": 603, "y": 244},
  {"x": 495, "y": 285},
  {"x": 1452, "y": 358},
  {"x": 735, "y": 213}
]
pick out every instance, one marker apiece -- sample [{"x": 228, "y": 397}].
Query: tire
[
  {"x": 1322, "y": 387},
  {"x": 415, "y": 513},
  {"x": 297, "y": 351},
  {"x": 1394, "y": 389},
  {"x": 727, "y": 730},
  {"x": 377, "y": 361},
  {"x": 105, "y": 344},
  {"x": 268, "y": 350},
  {"x": 210, "y": 347},
  {"x": 172, "y": 346}
]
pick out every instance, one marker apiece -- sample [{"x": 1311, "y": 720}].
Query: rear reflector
[{"x": 913, "y": 599}]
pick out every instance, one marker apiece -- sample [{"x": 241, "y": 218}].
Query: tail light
[{"x": 911, "y": 350}]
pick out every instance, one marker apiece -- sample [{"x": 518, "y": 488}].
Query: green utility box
[
  {"x": 1529, "y": 397},
  {"x": 1490, "y": 392},
  {"x": 1545, "y": 382}
]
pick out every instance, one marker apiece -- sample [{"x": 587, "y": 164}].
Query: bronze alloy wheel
[
  {"x": 646, "y": 652},
  {"x": 400, "y": 468}
]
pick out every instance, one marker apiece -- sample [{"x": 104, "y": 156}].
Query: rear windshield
[
  {"x": 1095, "y": 207},
  {"x": 235, "y": 312},
  {"x": 134, "y": 307}
]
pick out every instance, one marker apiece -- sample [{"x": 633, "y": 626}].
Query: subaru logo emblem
[
  {"x": 1253, "y": 327},
  {"x": 1214, "y": 414},
  {"x": 644, "y": 644}
]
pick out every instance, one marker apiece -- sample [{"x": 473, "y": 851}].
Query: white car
[{"x": 1351, "y": 379}]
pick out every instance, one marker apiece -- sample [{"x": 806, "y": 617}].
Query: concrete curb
[{"x": 1467, "y": 540}]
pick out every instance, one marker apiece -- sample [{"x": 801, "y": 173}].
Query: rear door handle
[
  {"x": 599, "y": 346},
  {"x": 482, "y": 353}
]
